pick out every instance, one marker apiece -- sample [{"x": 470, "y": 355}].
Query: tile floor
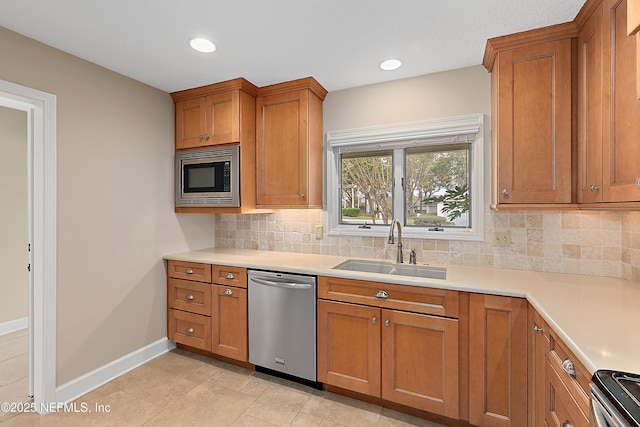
[{"x": 183, "y": 389}]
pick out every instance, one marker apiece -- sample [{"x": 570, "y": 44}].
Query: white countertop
[{"x": 597, "y": 317}]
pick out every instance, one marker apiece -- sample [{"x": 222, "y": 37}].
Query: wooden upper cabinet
[
  {"x": 497, "y": 361},
  {"x": 590, "y": 108},
  {"x": 220, "y": 113},
  {"x": 289, "y": 144},
  {"x": 621, "y": 150},
  {"x": 531, "y": 114}
]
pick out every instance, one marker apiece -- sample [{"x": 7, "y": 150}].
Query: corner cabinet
[
  {"x": 531, "y": 89},
  {"x": 497, "y": 361},
  {"x": 289, "y": 144},
  {"x": 391, "y": 342}
]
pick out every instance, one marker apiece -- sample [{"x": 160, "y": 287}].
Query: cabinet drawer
[
  {"x": 189, "y": 271},
  {"x": 230, "y": 276},
  {"x": 190, "y": 329},
  {"x": 194, "y": 297},
  {"x": 560, "y": 407},
  {"x": 560, "y": 358},
  {"x": 399, "y": 297}
]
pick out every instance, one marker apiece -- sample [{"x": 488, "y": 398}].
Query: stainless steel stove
[{"x": 615, "y": 399}]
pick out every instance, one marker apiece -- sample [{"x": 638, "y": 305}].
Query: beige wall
[
  {"x": 13, "y": 215},
  {"x": 594, "y": 243},
  {"x": 115, "y": 204}
]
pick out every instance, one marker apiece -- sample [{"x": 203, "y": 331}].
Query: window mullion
[{"x": 399, "y": 184}]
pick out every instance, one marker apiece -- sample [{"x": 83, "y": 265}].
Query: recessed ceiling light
[
  {"x": 390, "y": 64},
  {"x": 202, "y": 45}
]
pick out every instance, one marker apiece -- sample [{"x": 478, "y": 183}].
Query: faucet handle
[{"x": 412, "y": 257}]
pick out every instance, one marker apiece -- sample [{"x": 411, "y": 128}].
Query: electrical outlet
[
  {"x": 501, "y": 238},
  {"x": 318, "y": 232}
]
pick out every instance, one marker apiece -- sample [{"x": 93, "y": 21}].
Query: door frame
[{"x": 41, "y": 136}]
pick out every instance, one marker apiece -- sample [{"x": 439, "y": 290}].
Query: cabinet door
[
  {"x": 282, "y": 149},
  {"x": 223, "y": 118},
  {"x": 190, "y": 123},
  {"x": 349, "y": 346},
  {"x": 532, "y": 101},
  {"x": 590, "y": 109},
  {"x": 229, "y": 322},
  {"x": 622, "y": 126},
  {"x": 420, "y": 361},
  {"x": 497, "y": 361},
  {"x": 538, "y": 346}
]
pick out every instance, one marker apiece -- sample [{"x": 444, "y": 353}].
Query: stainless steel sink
[{"x": 383, "y": 267}]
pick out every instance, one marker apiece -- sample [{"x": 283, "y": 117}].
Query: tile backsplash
[{"x": 601, "y": 243}]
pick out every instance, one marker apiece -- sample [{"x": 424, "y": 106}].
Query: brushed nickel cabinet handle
[
  {"x": 567, "y": 424},
  {"x": 230, "y": 276},
  {"x": 594, "y": 188},
  {"x": 374, "y": 320},
  {"x": 189, "y": 297},
  {"x": 200, "y": 137},
  {"x": 505, "y": 191},
  {"x": 228, "y": 292},
  {"x": 190, "y": 330},
  {"x": 537, "y": 330},
  {"x": 387, "y": 323},
  {"x": 207, "y": 137},
  {"x": 569, "y": 368},
  {"x": 189, "y": 271},
  {"x": 302, "y": 195}
]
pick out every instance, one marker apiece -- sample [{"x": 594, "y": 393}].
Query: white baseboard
[
  {"x": 94, "y": 379},
  {"x": 13, "y": 325}
]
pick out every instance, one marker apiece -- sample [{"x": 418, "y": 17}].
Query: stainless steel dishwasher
[{"x": 282, "y": 323}]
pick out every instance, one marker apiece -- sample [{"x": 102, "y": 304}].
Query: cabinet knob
[
  {"x": 505, "y": 191},
  {"x": 230, "y": 276},
  {"x": 594, "y": 188},
  {"x": 189, "y": 297},
  {"x": 387, "y": 323},
  {"x": 189, "y": 271},
  {"x": 190, "y": 330},
  {"x": 374, "y": 320},
  {"x": 302, "y": 195},
  {"x": 206, "y": 137},
  {"x": 228, "y": 292},
  {"x": 537, "y": 330},
  {"x": 382, "y": 294},
  {"x": 566, "y": 424},
  {"x": 569, "y": 368},
  {"x": 638, "y": 182},
  {"x": 200, "y": 137}
]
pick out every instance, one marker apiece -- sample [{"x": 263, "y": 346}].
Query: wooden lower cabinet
[
  {"x": 402, "y": 357},
  {"x": 229, "y": 322},
  {"x": 561, "y": 410},
  {"x": 420, "y": 361},
  {"x": 349, "y": 346},
  {"x": 497, "y": 361}
]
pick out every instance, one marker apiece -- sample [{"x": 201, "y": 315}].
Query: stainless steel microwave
[{"x": 209, "y": 177}]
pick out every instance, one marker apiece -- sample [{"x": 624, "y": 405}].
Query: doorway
[{"x": 40, "y": 109}]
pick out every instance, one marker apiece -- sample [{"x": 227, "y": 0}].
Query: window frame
[{"x": 393, "y": 137}]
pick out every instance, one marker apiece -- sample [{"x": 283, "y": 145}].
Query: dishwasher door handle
[{"x": 288, "y": 285}]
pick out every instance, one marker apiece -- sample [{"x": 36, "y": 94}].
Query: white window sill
[{"x": 408, "y": 233}]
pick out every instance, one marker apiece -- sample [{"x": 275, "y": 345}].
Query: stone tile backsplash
[{"x": 600, "y": 243}]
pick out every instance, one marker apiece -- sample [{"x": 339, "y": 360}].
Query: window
[{"x": 426, "y": 174}]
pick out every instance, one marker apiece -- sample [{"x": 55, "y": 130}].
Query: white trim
[
  {"x": 41, "y": 121},
  {"x": 112, "y": 370},
  {"x": 14, "y": 326},
  {"x": 440, "y": 131}
]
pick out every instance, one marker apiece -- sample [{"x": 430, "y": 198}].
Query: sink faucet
[{"x": 394, "y": 221}]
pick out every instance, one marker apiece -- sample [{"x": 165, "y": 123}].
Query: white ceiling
[{"x": 339, "y": 42}]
